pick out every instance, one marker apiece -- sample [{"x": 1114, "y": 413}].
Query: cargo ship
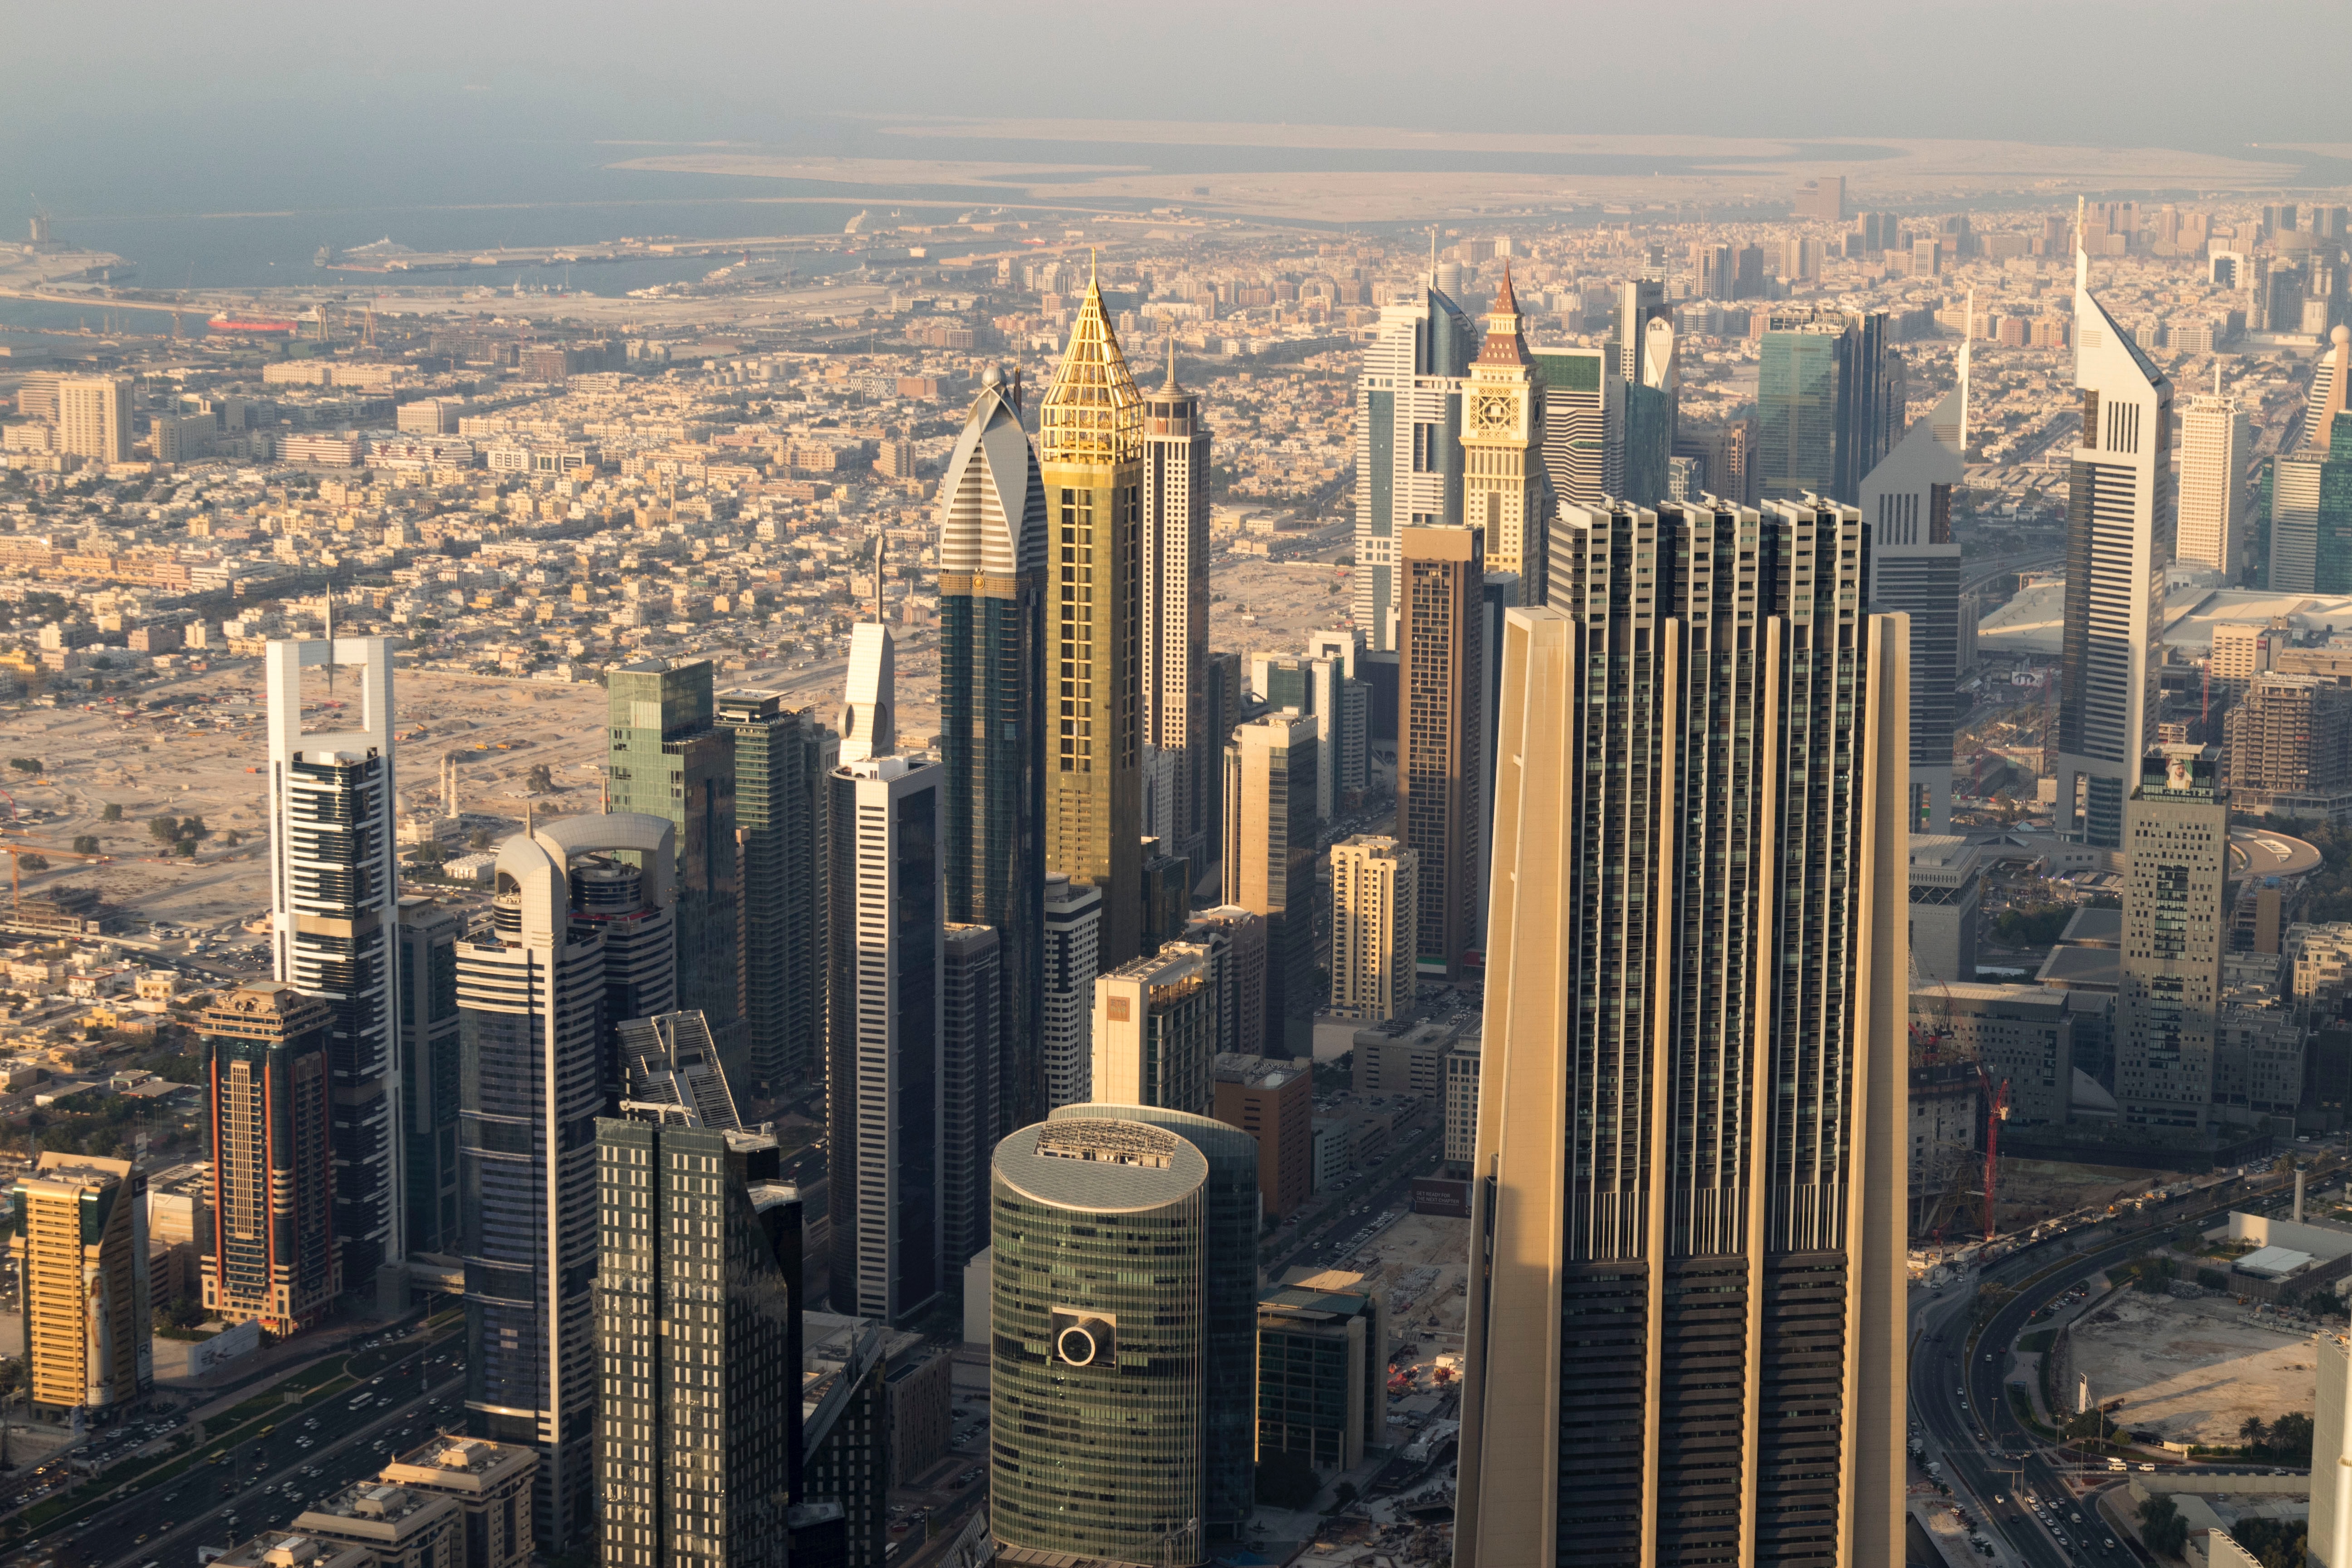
[{"x": 227, "y": 322}]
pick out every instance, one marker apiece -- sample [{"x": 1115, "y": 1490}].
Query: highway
[
  {"x": 263, "y": 1481},
  {"x": 1959, "y": 1396}
]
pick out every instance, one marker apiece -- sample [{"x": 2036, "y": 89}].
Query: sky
[{"x": 122, "y": 106}]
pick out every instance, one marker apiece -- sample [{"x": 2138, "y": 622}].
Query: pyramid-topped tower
[
  {"x": 1090, "y": 452},
  {"x": 1092, "y": 412}
]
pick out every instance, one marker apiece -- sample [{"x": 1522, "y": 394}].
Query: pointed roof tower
[
  {"x": 1506, "y": 344},
  {"x": 1169, "y": 385},
  {"x": 1092, "y": 414},
  {"x": 992, "y": 502}
]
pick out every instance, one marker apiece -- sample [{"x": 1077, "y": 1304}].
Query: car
[{"x": 2109, "y": 1543}]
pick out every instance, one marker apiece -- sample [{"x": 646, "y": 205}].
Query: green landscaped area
[
  {"x": 2038, "y": 1341},
  {"x": 288, "y": 1397}
]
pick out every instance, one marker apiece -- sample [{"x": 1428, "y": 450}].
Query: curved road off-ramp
[{"x": 2259, "y": 852}]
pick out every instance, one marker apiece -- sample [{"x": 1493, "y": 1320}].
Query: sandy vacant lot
[{"x": 2193, "y": 1370}]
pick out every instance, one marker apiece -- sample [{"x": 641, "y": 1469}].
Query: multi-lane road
[
  {"x": 264, "y": 1479},
  {"x": 1959, "y": 1388}
]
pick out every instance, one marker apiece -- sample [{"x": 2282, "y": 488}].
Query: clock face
[{"x": 1495, "y": 411}]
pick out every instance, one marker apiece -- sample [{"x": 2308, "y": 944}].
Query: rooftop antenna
[{"x": 330, "y": 639}]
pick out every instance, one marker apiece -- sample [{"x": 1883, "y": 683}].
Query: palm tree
[{"x": 2251, "y": 1431}]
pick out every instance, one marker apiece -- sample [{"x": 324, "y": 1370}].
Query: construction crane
[
  {"x": 1996, "y": 1113},
  {"x": 17, "y": 849}
]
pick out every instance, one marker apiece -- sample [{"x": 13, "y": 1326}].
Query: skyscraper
[
  {"x": 697, "y": 1326},
  {"x": 1505, "y": 491},
  {"x": 2217, "y": 445},
  {"x": 79, "y": 1242},
  {"x": 1069, "y": 960},
  {"x": 1271, "y": 833},
  {"x": 1176, "y": 606},
  {"x": 1915, "y": 567},
  {"x": 94, "y": 417},
  {"x": 993, "y": 553},
  {"x": 1648, "y": 363},
  {"x": 972, "y": 1002},
  {"x": 1090, "y": 447},
  {"x": 1155, "y": 1032},
  {"x": 2177, "y": 846},
  {"x": 1686, "y": 1337},
  {"x": 668, "y": 758},
  {"x": 542, "y": 1053},
  {"x": 2331, "y": 391},
  {"x": 1319, "y": 686},
  {"x": 869, "y": 710},
  {"x": 1828, "y": 402},
  {"x": 1408, "y": 441},
  {"x": 1375, "y": 926},
  {"x": 1584, "y": 425},
  {"x": 334, "y": 896},
  {"x": 2119, "y": 534},
  {"x": 429, "y": 1068},
  {"x": 1124, "y": 1399},
  {"x": 882, "y": 1097},
  {"x": 271, "y": 1112},
  {"x": 1441, "y": 729},
  {"x": 780, "y": 760}
]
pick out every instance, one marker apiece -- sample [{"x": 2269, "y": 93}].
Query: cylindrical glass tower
[{"x": 1098, "y": 1316}]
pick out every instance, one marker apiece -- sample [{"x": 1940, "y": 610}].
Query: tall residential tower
[
  {"x": 334, "y": 897},
  {"x": 1176, "y": 606},
  {"x": 1685, "y": 1333},
  {"x": 992, "y": 707},
  {"x": 1915, "y": 565},
  {"x": 1408, "y": 442}
]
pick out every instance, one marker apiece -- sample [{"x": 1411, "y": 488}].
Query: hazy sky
[{"x": 2209, "y": 75}]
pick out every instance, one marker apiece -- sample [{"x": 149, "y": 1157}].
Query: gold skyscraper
[
  {"x": 1505, "y": 491},
  {"x": 1090, "y": 448}
]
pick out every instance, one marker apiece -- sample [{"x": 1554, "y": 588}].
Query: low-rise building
[
  {"x": 490, "y": 1482},
  {"x": 1322, "y": 1369},
  {"x": 292, "y": 1549},
  {"x": 402, "y": 1527},
  {"x": 1406, "y": 1056}
]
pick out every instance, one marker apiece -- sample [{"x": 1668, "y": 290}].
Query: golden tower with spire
[
  {"x": 1090, "y": 455},
  {"x": 1505, "y": 494}
]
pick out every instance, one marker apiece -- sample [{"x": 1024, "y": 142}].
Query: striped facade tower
[{"x": 1686, "y": 1328}]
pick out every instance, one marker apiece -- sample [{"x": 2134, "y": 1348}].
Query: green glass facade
[
  {"x": 1097, "y": 1342},
  {"x": 1066, "y": 1438},
  {"x": 2331, "y": 570},
  {"x": 667, "y": 758},
  {"x": 1800, "y": 403}
]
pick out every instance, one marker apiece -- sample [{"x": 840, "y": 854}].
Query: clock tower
[{"x": 1506, "y": 495}]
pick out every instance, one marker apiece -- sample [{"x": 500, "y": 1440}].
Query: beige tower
[
  {"x": 1506, "y": 495},
  {"x": 80, "y": 1249},
  {"x": 1375, "y": 916},
  {"x": 94, "y": 417},
  {"x": 1090, "y": 449},
  {"x": 1686, "y": 1331}
]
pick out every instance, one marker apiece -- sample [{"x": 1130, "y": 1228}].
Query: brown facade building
[
  {"x": 270, "y": 1105},
  {"x": 1440, "y": 734},
  {"x": 1274, "y": 1103}
]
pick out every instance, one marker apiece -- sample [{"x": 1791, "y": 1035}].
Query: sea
[{"x": 231, "y": 213}]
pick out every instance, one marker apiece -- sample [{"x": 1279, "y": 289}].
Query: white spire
[{"x": 1968, "y": 341}]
